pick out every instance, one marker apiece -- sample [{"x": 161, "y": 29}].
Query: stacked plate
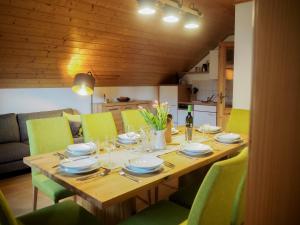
[
  {"x": 144, "y": 165},
  {"x": 206, "y": 128},
  {"x": 128, "y": 138},
  {"x": 228, "y": 138},
  {"x": 79, "y": 165},
  {"x": 196, "y": 149},
  {"x": 81, "y": 149}
]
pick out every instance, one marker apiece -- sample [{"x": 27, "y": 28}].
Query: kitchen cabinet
[{"x": 205, "y": 114}]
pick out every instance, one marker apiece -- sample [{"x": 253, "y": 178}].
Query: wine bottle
[{"x": 189, "y": 124}]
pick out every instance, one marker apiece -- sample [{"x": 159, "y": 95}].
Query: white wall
[
  {"x": 21, "y": 100},
  {"x": 243, "y": 43}
]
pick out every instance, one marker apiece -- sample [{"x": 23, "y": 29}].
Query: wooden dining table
[{"x": 111, "y": 197}]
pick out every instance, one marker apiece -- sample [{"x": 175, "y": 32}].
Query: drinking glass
[
  {"x": 109, "y": 145},
  {"x": 145, "y": 133}
]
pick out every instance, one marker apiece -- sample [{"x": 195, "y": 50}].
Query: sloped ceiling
[{"x": 44, "y": 43}]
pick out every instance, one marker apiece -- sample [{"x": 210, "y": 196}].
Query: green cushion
[
  {"x": 239, "y": 121},
  {"x": 133, "y": 119},
  {"x": 185, "y": 196},
  {"x": 98, "y": 126},
  {"x": 214, "y": 201},
  {"x": 6, "y": 215},
  {"x": 64, "y": 213},
  {"x": 162, "y": 213},
  {"x": 48, "y": 135},
  {"x": 50, "y": 188}
]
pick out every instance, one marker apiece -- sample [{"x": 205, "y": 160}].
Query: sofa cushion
[
  {"x": 9, "y": 129},
  {"x": 13, "y": 151},
  {"x": 23, "y": 117}
]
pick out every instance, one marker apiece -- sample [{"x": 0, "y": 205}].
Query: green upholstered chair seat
[
  {"x": 64, "y": 213},
  {"x": 185, "y": 196},
  {"x": 162, "y": 213},
  {"x": 133, "y": 119},
  {"x": 213, "y": 203},
  {"x": 98, "y": 126},
  {"x": 50, "y": 188},
  {"x": 239, "y": 121},
  {"x": 49, "y": 135}
]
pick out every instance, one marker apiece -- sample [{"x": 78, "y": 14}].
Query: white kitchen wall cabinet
[
  {"x": 182, "y": 113},
  {"x": 204, "y": 114}
]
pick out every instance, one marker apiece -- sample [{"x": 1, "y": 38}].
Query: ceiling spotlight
[
  {"x": 191, "y": 21},
  {"x": 171, "y": 14},
  {"x": 147, "y": 7}
]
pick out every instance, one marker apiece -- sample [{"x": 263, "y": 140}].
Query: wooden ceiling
[{"x": 44, "y": 43}]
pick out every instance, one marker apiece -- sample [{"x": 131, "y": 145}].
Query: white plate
[
  {"x": 196, "y": 148},
  {"x": 130, "y": 136},
  {"x": 146, "y": 162},
  {"x": 82, "y": 147},
  {"x": 195, "y": 153},
  {"x": 209, "y": 129},
  {"x": 76, "y": 171},
  {"x": 79, "y": 163},
  {"x": 75, "y": 154},
  {"x": 141, "y": 171},
  {"x": 228, "y": 138}
]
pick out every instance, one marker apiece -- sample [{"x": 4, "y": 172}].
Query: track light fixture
[
  {"x": 191, "y": 21},
  {"x": 172, "y": 11},
  {"x": 147, "y": 7},
  {"x": 170, "y": 14}
]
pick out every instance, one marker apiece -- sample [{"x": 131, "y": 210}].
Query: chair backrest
[
  {"x": 238, "y": 214},
  {"x": 48, "y": 135},
  {"x": 239, "y": 121},
  {"x": 98, "y": 126},
  {"x": 132, "y": 118},
  {"x": 213, "y": 204},
  {"x": 6, "y": 215}
]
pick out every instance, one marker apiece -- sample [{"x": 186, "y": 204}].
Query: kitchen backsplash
[{"x": 206, "y": 88}]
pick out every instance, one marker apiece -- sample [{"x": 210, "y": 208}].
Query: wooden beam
[{"x": 274, "y": 179}]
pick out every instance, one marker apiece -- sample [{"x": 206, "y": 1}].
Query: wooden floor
[{"x": 18, "y": 192}]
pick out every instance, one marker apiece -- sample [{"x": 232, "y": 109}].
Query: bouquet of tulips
[{"x": 158, "y": 119}]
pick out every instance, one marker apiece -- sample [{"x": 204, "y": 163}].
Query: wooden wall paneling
[
  {"x": 274, "y": 180},
  {"x": 43, "y": 39}
]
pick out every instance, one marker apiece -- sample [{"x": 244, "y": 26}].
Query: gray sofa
[{"x": 14, "y": 138}]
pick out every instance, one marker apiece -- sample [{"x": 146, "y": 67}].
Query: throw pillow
[{"x": 75, "y": 124}]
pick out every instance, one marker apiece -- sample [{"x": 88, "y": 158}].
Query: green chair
[
  {"x": 238, "y": 216},
  {"x": 98, "y": 126},
  {"x": 64, "y": 213},
  {"x": 48, "y": 135},
  {"x": 132, "y": 118},
  {"x": 213, "y": 204},
  {"x": 239, "y": 121}
]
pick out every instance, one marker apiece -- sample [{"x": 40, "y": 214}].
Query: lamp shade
[
  {"x": 229, "y": 74},
  {"x": 83, "y": 84}
]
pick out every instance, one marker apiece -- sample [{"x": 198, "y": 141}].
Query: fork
[
  {"x": 168, "y": 164},
  {"x": 102, "y": 174},
  {"x": 122, "y": 173}
]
